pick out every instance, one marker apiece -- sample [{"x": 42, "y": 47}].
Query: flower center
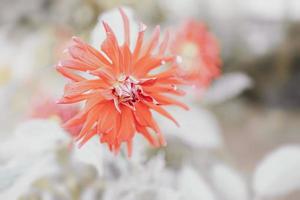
[
  {"x": 127, "y": 90},
  {"x": 189, "y": 52}
]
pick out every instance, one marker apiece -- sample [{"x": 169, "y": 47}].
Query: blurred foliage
[{"x": 277, "y": 73}]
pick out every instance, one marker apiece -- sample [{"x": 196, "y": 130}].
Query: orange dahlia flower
[
  {"x": 199, "y": 53},
  {"x": 119, "y": 87}
]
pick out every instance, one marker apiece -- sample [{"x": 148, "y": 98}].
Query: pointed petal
[
  {"x": 106, "y": 120},
  {"x": 78, "y": 119},
  {"x": 126, "y": 59},
  {"x": 162, "y": 111},
  {"x": 129, "y": 148},
  {"x": 76, "y": 65},
  {"x": 77, "y": 88},
  {"x": 126, "y": 27},
  {"x": 164, "y": 100},
  {"x": 153, "y": 41},
  {"x": 81, "y": 54},
  {"x": 127, "y": 126},
  {"x": 110, "y": 47},
  {"x": 163, "y": 46},
  {"x": 143, "y": 130},
  {"x": 89, "y": 123},
  {"x": 88, "y": 136},
  {"x": 69, "y": 74},
  {"x": 93, "y": 51},
  {"x": 104, "y": 74},
  {"x": 144, "y": 118},
  {"x": 139, "y": 42},
  {"x": 75, "y": 99}
]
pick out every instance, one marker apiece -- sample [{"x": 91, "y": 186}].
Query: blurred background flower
[{"x": 239, "y": 141}]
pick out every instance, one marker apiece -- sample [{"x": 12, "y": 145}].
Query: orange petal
[
  {"x": 145, "y": 64},
  {"x": 126, "y": 27},
  {"x": 153, "y": 41},
  {"x": 76, "y": 88},
  {"x": 104, "y": 74},
  {"x": 164, "y": 100},
  {"x": 75, "y": 99},
  {"x": 76, "y": 65},
  {"x": 162, "y": 111},
  {"x": 129, "y": 147},
  {"x": 69, "y": 74},
  {"x": 163, "y": 46},
  {"x": 143, "y": 130},
  {"x": 126, "y": 59},
  {"x": 89, "y": 123},
  {"x": 83, "y": 55},
  {"x": 171, "y": 89},
  {"x": 88, "y": 136},
  {"x": 93, "y": 51},
  {"x": 143, "y": 114},
  {"x": 110, "y": 47},
  {"x": 106, "y": 120},
  {"x": 127, "y": 126},
  {"x": 139, "y": 42},
  {"x": 78, "y": 119}
]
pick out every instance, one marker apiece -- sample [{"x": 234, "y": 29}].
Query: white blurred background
[{"x": 239, "y": 142}]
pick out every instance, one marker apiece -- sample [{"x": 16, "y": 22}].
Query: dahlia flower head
[
  {"x": 199, "y": 53},
  {"x": 120, "y": 86}
]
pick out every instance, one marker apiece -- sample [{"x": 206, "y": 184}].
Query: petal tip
[{"x": 142, "y": 27}]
